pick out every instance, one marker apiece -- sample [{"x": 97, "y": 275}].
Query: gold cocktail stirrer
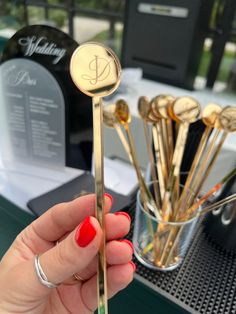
[
  {"x": 161, "y": 165},
  {"x": 187, "y": 110},
  {"x": 160, "y": 107},
  {"x": 227, "y": 123},
  {"x": 212, "y": 191},
  {"x": 124, "y": 117},
  {"x": 210, "y": 118},
  {"x": 144, "y": 109},
  {"x": 110, "y": 120},
  {"x": 216, "y": 205},
  {"x": 155, "y": 116},
  {"x": 96, "y": 71}
]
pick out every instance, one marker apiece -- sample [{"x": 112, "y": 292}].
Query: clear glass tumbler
[{"x": 159, "y": 244}]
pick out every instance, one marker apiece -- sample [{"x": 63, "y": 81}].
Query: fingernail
[
  {"x": 133, "y": 265},
  {"x": 110, "y": 197},
  {"x": 124, "y": 214},
  {"x": 85, "y": 233},
  {"x": 129, "y": 243}
]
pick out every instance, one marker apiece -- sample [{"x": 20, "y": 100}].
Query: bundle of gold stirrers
[{"x": 169, "y": 120}]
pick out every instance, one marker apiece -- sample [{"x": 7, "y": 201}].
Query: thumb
[{"x": 74, "y": 253}]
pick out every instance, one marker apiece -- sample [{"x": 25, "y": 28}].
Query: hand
[{"x": 78, "y": 234}]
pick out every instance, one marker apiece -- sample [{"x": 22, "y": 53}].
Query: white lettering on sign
[{"x": 41, "y": 46}]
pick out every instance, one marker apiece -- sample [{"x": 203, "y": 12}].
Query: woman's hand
[{"x": 78, "y": 235}]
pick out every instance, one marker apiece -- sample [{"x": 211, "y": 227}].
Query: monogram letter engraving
[{"x": 101, "y": 68}]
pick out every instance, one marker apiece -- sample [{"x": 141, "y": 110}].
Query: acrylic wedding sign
[
  {"x": 42, "y": 112},
  {"x": 33, "y": 113}
]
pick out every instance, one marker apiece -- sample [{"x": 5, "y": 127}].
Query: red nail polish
[
  {"x": 85, "y": 233},
  {"x": 110, "y": 197},
  {"x": 129, "y": 243},
  {"x": 124, "y": 214},
  {"x": 133, "y": 265}
]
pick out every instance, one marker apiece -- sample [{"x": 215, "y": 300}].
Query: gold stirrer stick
[
  {"x": 216, "y": 205},
  {"x": 212, "y": 191},
  {"x": 156, "y": 118},
  {"x": 160, "y": 108},
  {"x": 210, "y": 118},
  {"x": 227, "y": 123},
  {"x": 110, "y": 120},
  {"x": 163, "y": 103},
  {"x": 227, "y": 120},
  {"x": 96, "y": 71},
  {"x": 144, "y": 109},
  {"x": 186, "y": 110},
  {"x": 124, "y": 117},
  {"x": 205, "y": 210}
]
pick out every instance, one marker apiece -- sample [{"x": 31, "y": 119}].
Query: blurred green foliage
[
  {"x": 103, "y": 37},
  {"x": 225, "y": 66},
  {"x": 14, "y": 10}
]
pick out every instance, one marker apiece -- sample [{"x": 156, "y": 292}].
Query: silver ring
[
  {"x": 41, "y": 275},
  {"x": 77, "y": 277}
]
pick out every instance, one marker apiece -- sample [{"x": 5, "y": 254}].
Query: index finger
[{"x": 64, "y": 217}]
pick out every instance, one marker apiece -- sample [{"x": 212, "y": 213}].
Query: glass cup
[{"x": 158, "y": 244}]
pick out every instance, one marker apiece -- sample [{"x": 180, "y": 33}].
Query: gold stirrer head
[
  {"x": 154, "y": 113},
  {"x": 227, "y": 119},
  {"x": 210, "y": 115},
  {"x": 185, "y": 109},
  {"x": 95, "y": 69},
  {"x": 161, "y": 104},
  {"x": 144, "y": 107},
  {"x": 109, "y": 117},
  {"x": 122, "y": 112}
]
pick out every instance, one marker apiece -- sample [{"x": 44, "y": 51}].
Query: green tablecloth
[{"x": 12, "y": 221}]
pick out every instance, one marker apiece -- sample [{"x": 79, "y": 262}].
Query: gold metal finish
[
  {"x": 228, "y": 119},
  {"x": 227, "y": 123},
  {"x": 218, "y": 204},
  {"x": 161, "y": 179},
  {"x": 162, "y": 103},
  {"x": 124, "y": 117},
  {"x": 210, "y": 118},
  {"x": 155, "y": 117},
  {"x": 213, "y": 190},
  {"x": 144, "y": 109},
  {"x": 186, "y": 110},
  {"x": 96, "y": 71},
  {"x": 174, "y": 211}
]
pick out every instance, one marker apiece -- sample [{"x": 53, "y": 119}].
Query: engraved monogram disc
[
  {"x": 186, "y": 109},
  {"x": 228, "y": 119},
  {"x": 95, "y": 69}
]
